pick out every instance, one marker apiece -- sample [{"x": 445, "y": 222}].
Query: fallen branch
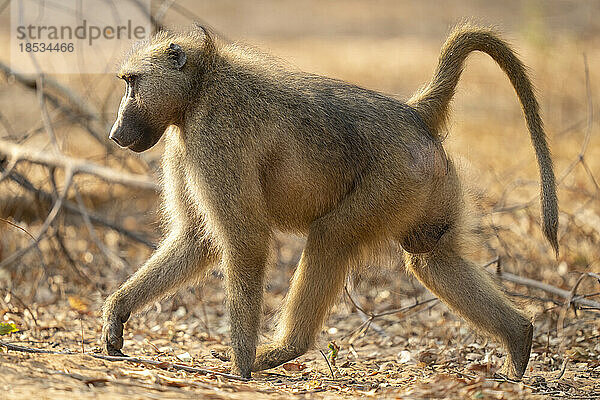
[
  {"x": 167, "y": 364},
  {"x": 568, "y": 295},
  {"x": 154, "y": 363},
  {"x": 19, "y": 153},
  {"x": 23, "y": 349},
  {"x": 368, "y": 318},
  {"x": 74, "y": 209},
  {"x": 58, "y": 204},
  {"x": 32, "y": 83}
]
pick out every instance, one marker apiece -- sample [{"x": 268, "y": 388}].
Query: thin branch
[
  {"x": 590, "y": 111},
  {"x": 25, "y": 306},
  {"x": 112, "y": 257},
  {"x": 75, "y": 108},
  {"x": 45, "y": 116},
  {"x": 568, "y": 295},
  {"x": 328, "y": 364},
  {"x": 589, "y": 126},
  {"x": 49, "y": 220},
  {"x": 76, "y": 165},
  {"x": 74, "y": 209},
  {"x": 63, "y": 248},
  {"x": 72, "y": 97},
  {"x": 8, "y": 170},
  {"x": 18, "y": 227},
  {"x": 580, "y": 159},
  {"x": 154, "y": 363},
  {"x": 368, "y": 318}
]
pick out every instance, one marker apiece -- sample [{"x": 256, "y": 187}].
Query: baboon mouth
[
  {"x": 143, "y": 143},
  {"x": 124, "y": 144},
  {"x": 138, "y": 145},
  {"x": 133, "y": 144}
]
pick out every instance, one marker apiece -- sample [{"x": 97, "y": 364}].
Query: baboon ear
[
  {"x": 201, "y": 28},
  {"x": 209, "y": 44},
  {"x": 177, "y": 55}
]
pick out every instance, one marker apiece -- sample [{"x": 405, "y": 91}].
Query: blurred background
[{"x": 57, "y": 267}]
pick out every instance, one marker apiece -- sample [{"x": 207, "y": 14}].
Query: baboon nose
[
  {"x": 115, "y": 134},
  {"x": 116, "y": 139}
]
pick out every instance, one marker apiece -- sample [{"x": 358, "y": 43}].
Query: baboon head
[{"x": 161, "y": 76}]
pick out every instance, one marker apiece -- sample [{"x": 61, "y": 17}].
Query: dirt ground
[{"x": 421, "y": 350}]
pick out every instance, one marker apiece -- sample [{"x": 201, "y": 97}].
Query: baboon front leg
[
  {"x": 468, "y": 290},
  {"x": 179, "y": 259},
  {"x": 244, "y": 277}
]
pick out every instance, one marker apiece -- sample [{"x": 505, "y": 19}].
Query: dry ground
[{"x": 422, "y": 352}]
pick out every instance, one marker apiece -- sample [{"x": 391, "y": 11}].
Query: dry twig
[
  {"x": 49, "y": 220},
  {"x": 569, "y": 295},
  {"x": 19, "y": 153},
  {"x": 369, "y": 317},
  {"x": 70, "y": 207},
  {"x": 154, "y": 363},
  {"x": 328, "y": 364}
]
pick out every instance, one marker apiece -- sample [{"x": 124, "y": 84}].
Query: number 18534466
[{"x": 42, "y": 47}]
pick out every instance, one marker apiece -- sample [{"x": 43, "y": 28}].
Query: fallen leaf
[
  {"x": 78, "y": 304},
  {"x": 96, "y": 381},
  {"x": 404, "y": 357},
  {"x": 7, "y": 327},
  {"x": 185, "y": 357},
  {"x": 427, "y": 357},
  {"x": 293, "y": 366},
  {"x": 476, "y": 366},
  {"x": 174, "y": 382}
]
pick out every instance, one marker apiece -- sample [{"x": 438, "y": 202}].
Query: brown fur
[{"x": 255, "y": 147}]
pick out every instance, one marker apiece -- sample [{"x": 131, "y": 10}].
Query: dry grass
[{"x": 54, "y": 295}]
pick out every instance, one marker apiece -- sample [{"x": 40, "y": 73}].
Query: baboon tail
[{"x": 432, "y": 103}]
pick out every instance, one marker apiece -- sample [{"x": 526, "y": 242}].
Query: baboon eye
[{"x": 130, "y": 78}]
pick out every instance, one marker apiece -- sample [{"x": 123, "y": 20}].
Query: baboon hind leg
[
  {"x": 318, "y": 281},
  {"x": 334, "y": 243},
  {"x": 469, "y": 291}
]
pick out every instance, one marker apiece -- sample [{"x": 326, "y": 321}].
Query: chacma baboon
[{"x": 255, "y": 146}]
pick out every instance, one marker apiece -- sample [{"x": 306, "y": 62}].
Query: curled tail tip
[{"x": 468, "y": 25}]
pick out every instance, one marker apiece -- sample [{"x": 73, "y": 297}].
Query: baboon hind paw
[
  {"x": 274, "y": 354},
  {"x": 516, "y": 361}
]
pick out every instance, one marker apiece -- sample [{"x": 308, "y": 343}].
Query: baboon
[{"x": 254, "y": 146}]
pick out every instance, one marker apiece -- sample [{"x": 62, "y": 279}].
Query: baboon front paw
[
  {"x": 508, "y": 371},
  {"x": 226, "y": 355},
  {"x": 112, "y": 337}
]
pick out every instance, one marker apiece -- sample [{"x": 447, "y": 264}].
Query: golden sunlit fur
[{"x": 257, "y": 147}]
